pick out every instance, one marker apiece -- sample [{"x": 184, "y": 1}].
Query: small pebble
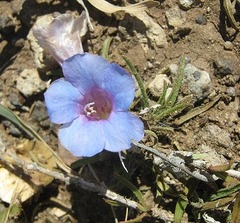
[
  {"x": 208, "y": 10},
  {"x": 30, "y": 83},
  {"x": 149, "y": 65},
  {"x": 231, "y": 91},
  {"x": 16, "y": 99},
  {"x": 201, "y": 20},
  {"x": 39, "y": 112},
  {"x": 174, "y": 17},
  {"x": 15, "y": 131},
  {"x": 173, "y": 69},
  {"x": 228, "y": 46},
  {"x": 157, "y": 84},
  {"x": 12, "y": 128},
  {"x": 45, "y": 123},
  {"x": 198, "y": 82},
  {"x": 224, "y": 66},
  {"x": 186, "y": 4}
]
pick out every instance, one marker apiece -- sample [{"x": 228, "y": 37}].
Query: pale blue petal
[
  {"x": 62, "y": 101},
  {"x": 84, "y": 71},
  {"x": 120, "y": 129},
  {"x": 82, "y": 137},
  {"x": 120, "y": 85}
]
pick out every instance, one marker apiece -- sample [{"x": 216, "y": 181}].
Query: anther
[{"x": 89, "y": 109}]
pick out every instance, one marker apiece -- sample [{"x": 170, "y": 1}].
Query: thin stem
[
  {"x": 194, "y": 174},
  {"x": 68, "y": 179}
]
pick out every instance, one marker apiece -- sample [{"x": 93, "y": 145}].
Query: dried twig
[
  {"x": 68, "y": 179},
  {"x": 196, "y": 174}
]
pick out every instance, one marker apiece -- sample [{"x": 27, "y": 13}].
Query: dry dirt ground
[{"x": 203, "y": 34}]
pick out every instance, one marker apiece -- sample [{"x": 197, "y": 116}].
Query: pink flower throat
[{"x": 97, "y": 104}]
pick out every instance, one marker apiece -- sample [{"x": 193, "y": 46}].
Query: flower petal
[
  {"x": 84, "y": 71},
  {"x": 62, "y": 101},
  {"x": 69, "y": 42},
  {"x": 82, "y": 137},
  {"x": 120, "y": 129},
  {"x": 120, "y": 85}
]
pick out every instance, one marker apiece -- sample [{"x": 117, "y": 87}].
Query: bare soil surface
[{"x": 203, "y": 34}]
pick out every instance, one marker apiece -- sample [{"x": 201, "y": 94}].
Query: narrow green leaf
[
  {"x": 171, "y": 100},
  {"x": 153, "y": 134},
  {"x": 170, "y": 110},
  {"x": 85, "y": 161},
  {"x": 134, "y": 189},
  {"x": 162, "y": 98},
  {"x": 236, "y": 210},
  {"x": 218, "y": 203},
  {"x": 180, "y": 209},
  {"x": 105, "y": 48},
  {"x": 12, "y": 211},
  {"x": 8, "y": 114},
  {"x": 145, "y": 102},
  {"x": 225, "y": 192},
  {"x": 196, "y": 111}
]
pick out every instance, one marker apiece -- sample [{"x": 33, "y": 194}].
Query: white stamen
[{"x": 89, "y": 109}]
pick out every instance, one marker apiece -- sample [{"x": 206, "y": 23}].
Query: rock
[
  {"x": 17, "y": 6},
  {"x": 39, "y": 111},
  {"x": 12, "y": 128},
  {"x": 45, "y": 123},
  {"x": 39, "y": 114},
  {"x": 228, "y": 45},
  {"x": 231, "y": 91},
  {"x": 201, "y": 20},
  {"x": 224, "y": 66},
  {"x": 156, "y": 35},
  {"x": 15, "y": 131},
  {"x": 197, "y": 81},
  {"x": 218, "y": 136},
  {"x": 180, "y": 32},
  {"x": 211, "y": 156},
  {"x": 177, "y": 21},
  {"x": 186, "y": 4},
  {"x": 156, "y": 86},
  {"x": 145, "y": 28},
  {"x": 29, "y": 82},
  {"x": 173, "y": 68},
  {"x": 174, "y": 17},
  {"x": 16, "y": 100}
]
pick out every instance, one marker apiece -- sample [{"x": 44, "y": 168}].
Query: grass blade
[
  {"x": 8, "y": 114},
  {"x": 105, "y": 48},
  {"x": 177, "y": 84},
  {"x": 236, "y": 210},
  {"x": 180, "y": 209},
  {"x": 134, "y": 189},
  {"x": 133, "y": 69}
]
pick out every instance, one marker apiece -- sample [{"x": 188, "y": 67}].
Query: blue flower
[{"x": 92, "y": 102}]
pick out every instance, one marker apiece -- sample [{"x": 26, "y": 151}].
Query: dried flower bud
[{"x": 61, "y": 37}]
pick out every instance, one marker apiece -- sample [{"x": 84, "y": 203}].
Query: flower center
[
  {"x": 89, "y": 109},
  {"x": 97, "y": 104}
]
